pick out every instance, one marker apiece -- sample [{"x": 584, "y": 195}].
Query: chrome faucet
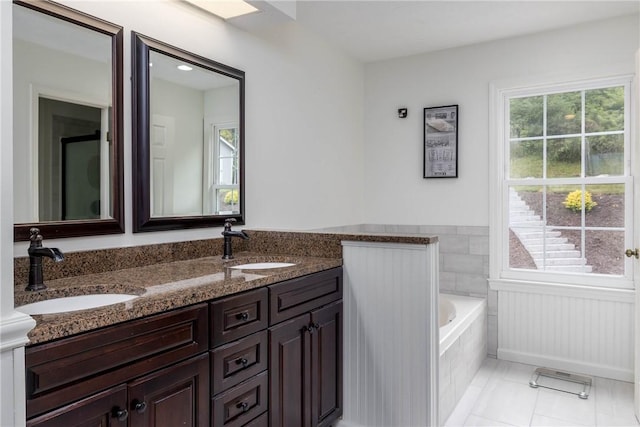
[
  {"x": 36, "y": 252},
  {"x": 228, "y": 234}
]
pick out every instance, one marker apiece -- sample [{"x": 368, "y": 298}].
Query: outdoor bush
[
  {"x": 566, "y": 151},
  {"x": 231, "y": 197},
  {"x": 573, "y": 201}
]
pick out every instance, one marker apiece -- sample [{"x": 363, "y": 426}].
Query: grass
[{"x": 524, "y": 167}]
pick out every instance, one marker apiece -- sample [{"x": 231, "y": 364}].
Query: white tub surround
[
  {"x": 390, "y": 334},
  {"x": 463, "y": 347},
  {"x": 580, "y": 329}
]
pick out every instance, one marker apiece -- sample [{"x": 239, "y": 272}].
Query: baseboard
[{"x": 567, "y": 365}]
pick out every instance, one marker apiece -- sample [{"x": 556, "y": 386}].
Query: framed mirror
[
  {"x": 67, "y": 110},
  {"x": 188, "y": 139}
]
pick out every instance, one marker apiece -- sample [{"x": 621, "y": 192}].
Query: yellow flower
[{"x": 573, "y": 201}]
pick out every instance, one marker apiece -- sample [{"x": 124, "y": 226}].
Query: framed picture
[{"x": 441, "y": 142}]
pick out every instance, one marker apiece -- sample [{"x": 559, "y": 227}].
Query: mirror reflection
[
  {"x": 195, "y": 139},
  {"x": 188, "y": 143},
  {"x": 65, "y": 136}
]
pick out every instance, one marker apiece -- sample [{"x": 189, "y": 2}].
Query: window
[
  {"x": 564, "y": 183},
  {"x": 225, "y": 157}
]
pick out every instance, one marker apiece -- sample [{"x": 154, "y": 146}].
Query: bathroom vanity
[{"x": 206, "y": 344}]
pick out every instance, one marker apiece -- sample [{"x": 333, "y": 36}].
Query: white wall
[
  {"x": 395, "y": 189},
  {"x": 303, "y": 141},
  {"x": 186, "y": 106}
]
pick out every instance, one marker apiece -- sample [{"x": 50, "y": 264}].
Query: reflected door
[
  {"x": 162, "y": 140},
  {"x": 81, "y": 176},
  {"x": 68, "y": 160}
]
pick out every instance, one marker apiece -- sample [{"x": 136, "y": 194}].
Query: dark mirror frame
[
  {"x": 90, "y": 227},
  {"x": 142, "y": 220}
]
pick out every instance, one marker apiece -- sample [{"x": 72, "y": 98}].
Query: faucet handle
[
  {"x": 35, "y": 237},
  {"x": 228, "y": 222}
]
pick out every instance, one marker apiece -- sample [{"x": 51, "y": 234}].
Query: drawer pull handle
[
  {"x": 242, "y": 405},
  {"x": 120, "y": 414},
  {"x": 242, "y": 361},
  {"x": 242, "y": 316},
  {"x": 139, "y": 407}
]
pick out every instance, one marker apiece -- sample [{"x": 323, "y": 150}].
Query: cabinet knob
[
  {"x": 242, "y": 316},
  {"x": 139, "y": 407},
  {"x": 242, "y": 361},
  {"x": 120, "y": 414},
  {"x": 316, "y": 326},
  {"x": 242, "y": 405}
]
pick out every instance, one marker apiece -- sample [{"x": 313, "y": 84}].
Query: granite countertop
[
  {"x": 172, "y": 275},
  {"x": 161, "y": 287}
]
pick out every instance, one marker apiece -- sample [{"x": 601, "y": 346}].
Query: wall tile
[
  {"x": 447, "y": 281},
  {"x": 472, "y": 264},
  {"x": 478, "y": 245},
  {"x": 453, "y": 244},
  {"x": 472, "y": 283}
]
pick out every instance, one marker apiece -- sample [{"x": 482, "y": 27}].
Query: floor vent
[{"x": 580, "y": 385}]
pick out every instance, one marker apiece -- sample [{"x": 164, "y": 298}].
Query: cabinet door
[
  {"x": 290, "y": 373},
  {"x": 174, "y": 396},
  {"x": 326, "y": 364},
  {"x": 104, "y": 409}
]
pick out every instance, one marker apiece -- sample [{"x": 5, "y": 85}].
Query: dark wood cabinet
[
  {"x": 305, "y": 365},
  {"x": 290, "y": 373},
  {"x": 271, "y": 356},
  {"x": 326, "y": 364},
  {"x": 239, "y": 340},
  {"x": 145, "y": 372},
  {"x": 174, "y": 396}
]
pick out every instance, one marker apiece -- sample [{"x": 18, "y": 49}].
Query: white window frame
[
  {"x": 499, "y": 134},
  {"x": 212, "y": 167}
]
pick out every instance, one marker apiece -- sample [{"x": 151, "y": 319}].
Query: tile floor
[{"x": 499, "y": 395}]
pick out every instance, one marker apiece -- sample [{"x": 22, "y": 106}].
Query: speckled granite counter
[
  {"x": 173, "y": 275},
  {"x": 161, "y": 287}
]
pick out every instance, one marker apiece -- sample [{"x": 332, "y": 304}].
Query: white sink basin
[
  {"x": 81, "y": 302},
  {"x": 262, "y": 265}
]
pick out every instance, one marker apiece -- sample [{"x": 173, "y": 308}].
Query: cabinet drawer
[
  {"x": 243, "y": 403},
  {"x": 294, "y": 297},
  {"x": 237, "y": 361},
  {"x": 94, "y": 361},
  {"x": 238, "y": 316}
]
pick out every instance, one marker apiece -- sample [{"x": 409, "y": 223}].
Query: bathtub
[
  {"x": 463, "y": 347},
  {"x": 456, "y": 314}
]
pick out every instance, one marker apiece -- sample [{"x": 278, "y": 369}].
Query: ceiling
[{"x": 371, "y": 30}]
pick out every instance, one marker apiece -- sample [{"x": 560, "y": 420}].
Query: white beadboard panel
[
  {"x": 390, "y": 334},
  {"x": 568, "y": 329}
]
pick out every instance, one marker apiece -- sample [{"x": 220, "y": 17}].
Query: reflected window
[{"x": 226, "y": 186}]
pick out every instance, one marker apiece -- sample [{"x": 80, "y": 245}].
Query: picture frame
[{"x": 441, "y": 142}]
